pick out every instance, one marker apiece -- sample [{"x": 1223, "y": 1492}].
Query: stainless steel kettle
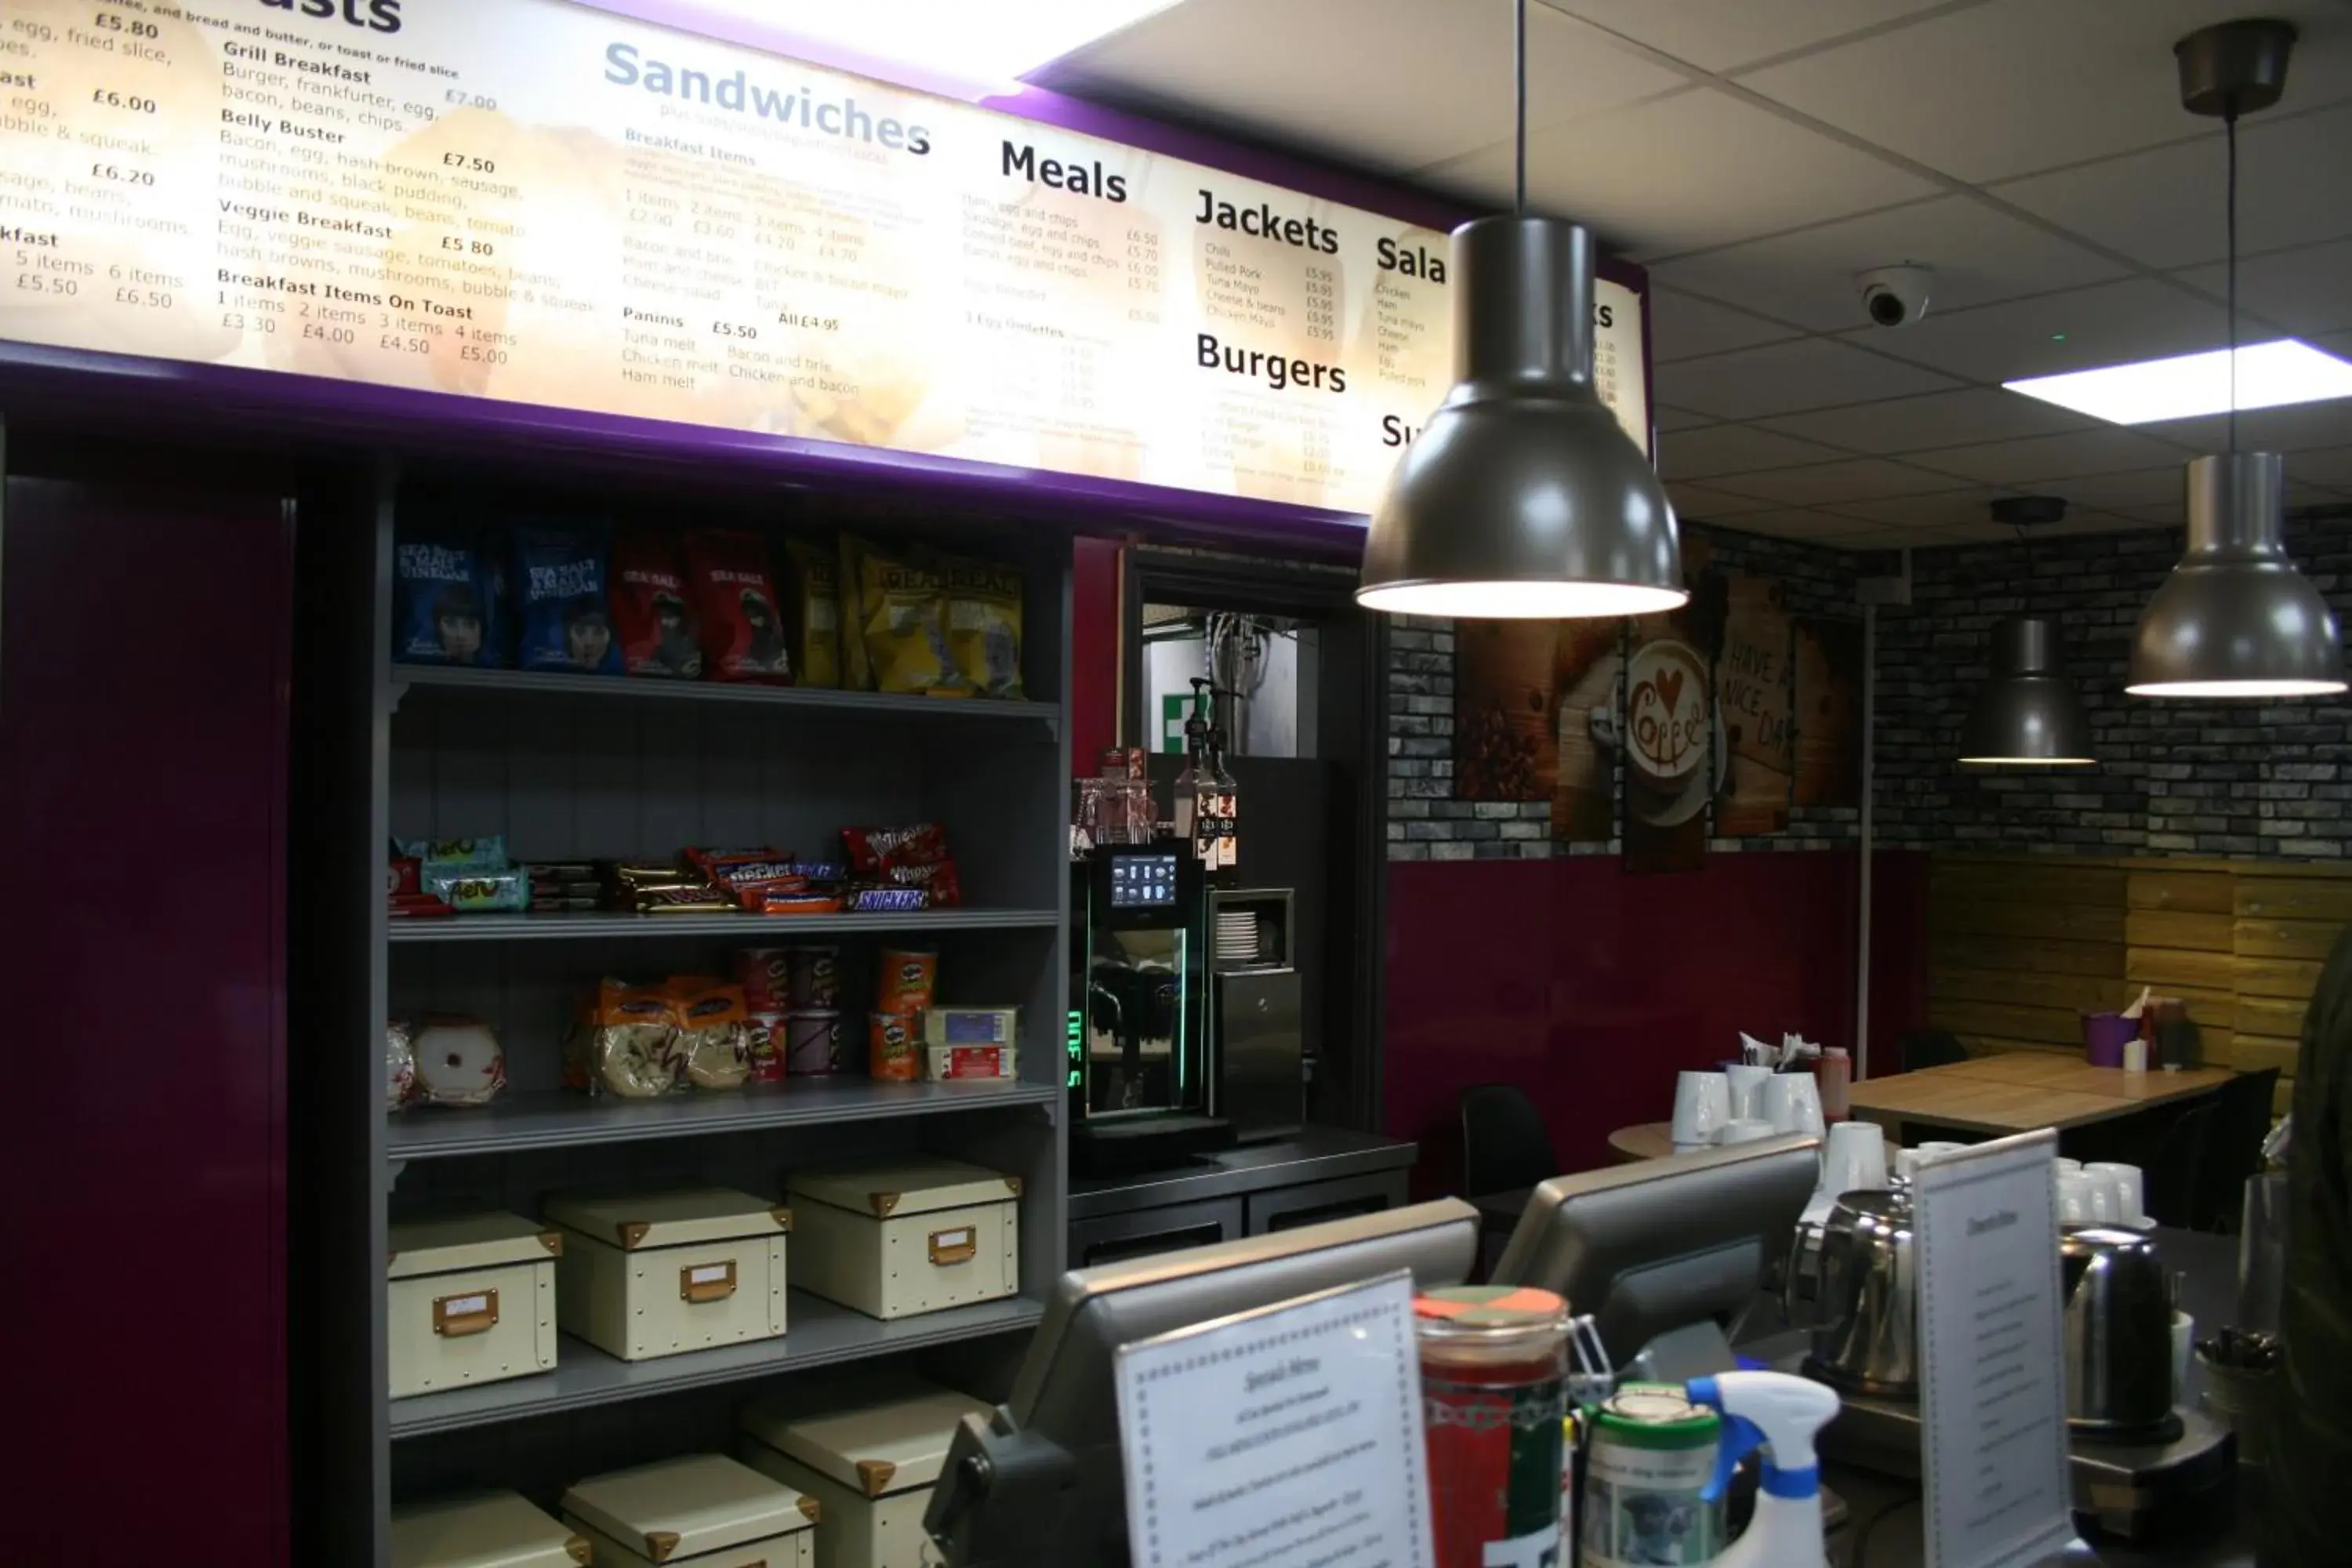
[
  {"x": 2119, "y": 1332},
  {"x": 1863, "y": 1265}
]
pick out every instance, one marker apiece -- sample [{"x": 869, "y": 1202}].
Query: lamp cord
[
  {"x": 2230, "y": 130},
  {"x": 1519, "y": 64}
]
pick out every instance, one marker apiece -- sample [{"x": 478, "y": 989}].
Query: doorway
[{"x": 1296, "y": 665}]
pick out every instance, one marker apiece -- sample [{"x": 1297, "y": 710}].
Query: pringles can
[
  {"x": 1650, "y": 1458},
  {"x": 1494, "y": 1389}
]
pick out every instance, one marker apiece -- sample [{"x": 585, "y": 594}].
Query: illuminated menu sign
[{"x": 544, "y": 204}]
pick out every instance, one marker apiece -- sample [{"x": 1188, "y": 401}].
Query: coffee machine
[{"x": 1141, "y": 1033}]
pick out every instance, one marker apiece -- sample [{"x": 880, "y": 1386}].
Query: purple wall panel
[{"x": 143, "y": 766}]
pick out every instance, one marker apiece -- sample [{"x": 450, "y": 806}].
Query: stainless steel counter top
[{"x": 1314, "y": 1154}]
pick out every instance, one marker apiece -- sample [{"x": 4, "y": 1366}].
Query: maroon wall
[
  {"x": 143, "y": 771},
  {"x": 1590, "y": 988}
]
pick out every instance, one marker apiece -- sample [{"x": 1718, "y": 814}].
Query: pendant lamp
[
  {"x": 2235, "y": 619},
  {"x": 2026, "y": 715},
  {"x": 1523, "y": 497}
]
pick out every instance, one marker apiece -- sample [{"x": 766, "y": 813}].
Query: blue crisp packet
[
  {"x": 445, "y": 606},
  {"x": 557, "y": 577}
]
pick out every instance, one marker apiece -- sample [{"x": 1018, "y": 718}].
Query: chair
[
  {"x": 2171, "y": 1173},
  {"x": 1506, "y": 1151},
  {"x": 1930, "y": 1048},
  {"x": 2232, "y": 1149}
]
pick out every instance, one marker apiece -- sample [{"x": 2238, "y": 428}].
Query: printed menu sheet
[
  {"x": 1284, "y": 1438},
  {"x": 542, "y": 203},
  {"x": 1993, "y": 1382}
]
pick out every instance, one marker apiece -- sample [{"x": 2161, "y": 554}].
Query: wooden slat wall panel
[
  {"x": 2027, "y": 955},
  {"x": 2018, "y": 946},
  {"x": 2027, "y": 918},
  {"x": 2294, "y": 898},
  {"x": 2190, "y": 892},
  {"x": 2267, "y": 937}
]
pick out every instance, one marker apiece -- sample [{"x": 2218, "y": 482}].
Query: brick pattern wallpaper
[
  {"x": 2272, "y": 780},
  {"x": 1426, "y": 822}
]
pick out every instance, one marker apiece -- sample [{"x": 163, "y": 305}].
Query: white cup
[
  {"x": 2105, "y": 1193},
  {"x": 2131, "y": 1206},
  {"x": 1855, "y": 1159},
  {"x": 1747, "y": 1089},
  {"x": 1746, "y": 1129},
  {"x": 1702, "y": 1105},
  {"x": 2074, "y": 1199},
  {"x": 1792, "y": 1103}
]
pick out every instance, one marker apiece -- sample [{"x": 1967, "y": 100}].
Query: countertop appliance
[
  {"x": 2118, "y": 1335},
  {"x": 1139, "y": 1064},
  {"x": 1257, "y": 1028}
]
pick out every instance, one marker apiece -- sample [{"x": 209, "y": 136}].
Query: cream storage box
[
  {"x": 483, "y": 1529},
  {"x": 894, "y": 1237},
  {"x": 470, "y": 1300},
  {"x": 871, "y": 1469},
  {"x": 704, "y": 1509},
  {"x": 669, "y": 1272}
]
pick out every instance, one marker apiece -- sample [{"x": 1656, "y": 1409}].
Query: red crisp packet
[
  {"x": 735, "y": 595},
  {"x": 653, "y": 613}
]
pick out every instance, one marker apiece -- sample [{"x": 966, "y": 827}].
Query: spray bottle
[{"x": 1779, "y": 1414}]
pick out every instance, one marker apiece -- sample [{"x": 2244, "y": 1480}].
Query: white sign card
[
  {"x": 1280, "y": 1438},
  {"x": 1993, "y": 1375}
]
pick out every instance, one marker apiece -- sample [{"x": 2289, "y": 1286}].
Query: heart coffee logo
[{"x": 1670, "y": 690}]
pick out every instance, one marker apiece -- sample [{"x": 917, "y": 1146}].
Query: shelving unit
[
  {"x": 752, "y": 930},
  {"x": 823, "y": 1335},
  {"x": 583, "y": 767}
]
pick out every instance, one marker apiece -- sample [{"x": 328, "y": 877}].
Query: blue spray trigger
[{"x": 1741, "y": 1437}]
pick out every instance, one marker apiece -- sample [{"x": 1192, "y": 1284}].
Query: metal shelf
[
  {"x": 821, "y": 1333},
  {"x": 563, "y": 1119},
  {"x": 781, "y": 927},
  {"x": 640, "y": 689}
]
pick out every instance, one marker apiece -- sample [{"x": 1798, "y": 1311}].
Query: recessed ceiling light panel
[{"x": 2270, "y": 375}]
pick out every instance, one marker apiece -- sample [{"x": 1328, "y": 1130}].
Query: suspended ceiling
[{"x": 1755, "y": 154}]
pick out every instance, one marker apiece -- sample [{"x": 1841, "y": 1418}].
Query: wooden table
[
  {"x": 2018, "y": 1091},
  {"x": 1648, "y": 1140}
]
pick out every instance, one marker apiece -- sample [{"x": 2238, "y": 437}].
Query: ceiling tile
[
  {"x": 1394, "y": 84},
  {"x": 1733, "y": 450},
  {"x": 2332, "y": 467},
  {"x": 2164, "y": 207},
  {"x": 1723, "y": 35},
  {"x": 1799, "y": 522},
  {"x": 1784, "y": 378},
  {"x": 2303, "y": 427},
  {"x": 1979, "y": 255},
  {"x": 1938, "y": 419},
  {"x": 2081, "y": 328},
  {"x": 2048, "y": 458},
  {"x": 1703, "y": 503},
  {"x": 1990, "y": 91},
  {"x": 1945, "y": 508},
  {"x": 2302, "y": 292},
  {"x": 1666, "y": 416},
  {"x": 2130, "y": 487},
  {"x": 1819, "y": 484},
  {"x": 1699, "y": 168},
  {"x": 1682, "y": 327}
]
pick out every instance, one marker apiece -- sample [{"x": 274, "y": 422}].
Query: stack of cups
[{"x": 1702, "y": 1110}]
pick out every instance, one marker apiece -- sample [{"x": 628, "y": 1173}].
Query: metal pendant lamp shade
[
  {"x": 2026, "y": 714},
  {"x": 1523, "y": 497},
  {"x": 2235, "y": 619}
]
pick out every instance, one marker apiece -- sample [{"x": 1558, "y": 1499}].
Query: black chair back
[
  {"x": 2169, "y": 1182},
  {"x": 1930, "y": 1048},
  {"x": 2233, "y": 1148},
  {"x": 1504, "y": 1148}
]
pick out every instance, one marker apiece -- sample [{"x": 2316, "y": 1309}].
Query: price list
[{"x": 537, "y": 202}]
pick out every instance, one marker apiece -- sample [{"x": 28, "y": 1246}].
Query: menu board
[{"x": 542, "y": 203}]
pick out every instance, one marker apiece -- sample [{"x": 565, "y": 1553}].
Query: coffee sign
[{"x": 1666, "y": 709}]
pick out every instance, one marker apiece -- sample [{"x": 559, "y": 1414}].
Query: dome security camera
[{"x": 1895, "y": 296}]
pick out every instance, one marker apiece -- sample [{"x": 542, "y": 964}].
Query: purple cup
[{"x": 2105, "y": 1036}]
